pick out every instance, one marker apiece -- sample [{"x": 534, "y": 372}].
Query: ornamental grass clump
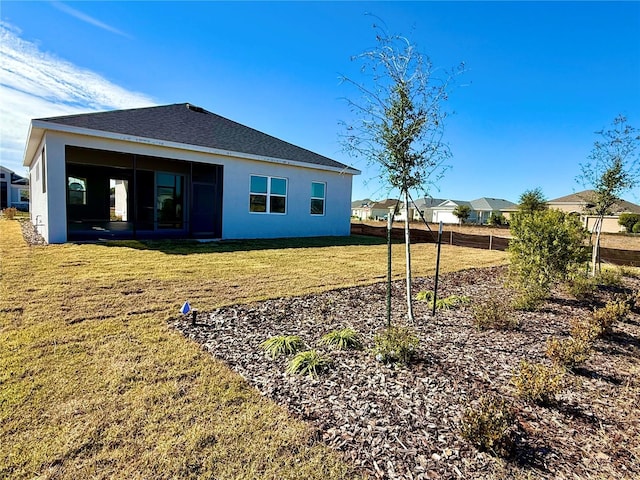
[
  {"x": 538, "y": 383},
  {"x": 309, "y": 362},
  {"x": 446, "y": 303},
  {"x": 346, "y": 338},
  {"x": 490, "y": 426},
  {"x": 10, "y": 213},
  {"x": 395, "y": 345},
  {"x": 282, "y": 345},
  {"x": 494, "y": 313}
]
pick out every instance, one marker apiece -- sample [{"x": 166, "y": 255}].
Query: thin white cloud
[
  {"x": 34, "y": 84},
  {"x": 86, "y": 18}
]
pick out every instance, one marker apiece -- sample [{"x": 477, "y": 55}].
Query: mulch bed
[{"x": 403, "y": 422}]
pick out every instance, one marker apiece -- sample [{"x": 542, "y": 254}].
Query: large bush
[
  {"x": 546, "y": 246},
  {"x": 629, "y": 220}
]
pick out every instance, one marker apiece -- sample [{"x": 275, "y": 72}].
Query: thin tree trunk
[
  {"x": 595, "y": 254},
  {"x": 407, "y": 242}
]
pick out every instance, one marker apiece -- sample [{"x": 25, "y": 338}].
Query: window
[
  {"x": 268, "y": 195},
  {"x": 24, "y": 195},
  {"x": 76, "y": 191},
  {"x": 317, "y": 198}
]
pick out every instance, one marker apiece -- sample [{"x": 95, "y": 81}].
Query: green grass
[{"x": 93, "y": 384}]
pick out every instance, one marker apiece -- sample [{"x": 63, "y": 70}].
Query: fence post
[
  {"x": 490, "y": 241},
  {"x": 450, "y": 237}
]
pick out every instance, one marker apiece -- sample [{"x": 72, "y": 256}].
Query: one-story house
[
  {"x": 581, "y": 203},
  {"x": 14, "y": 190},
  {"x": 370, "y": 210},
  {"x": 178, "y": 171},
  {"x": 480, "y": 210},
  {"x": 425, "y": 205},
  {"x": 361, "y": 209}
]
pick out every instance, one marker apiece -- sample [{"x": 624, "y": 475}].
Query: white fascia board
[
  {"x": 34, "y": 138},
  {"x": 183, "y": 146}
]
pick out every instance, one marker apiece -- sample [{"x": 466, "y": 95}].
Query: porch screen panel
[
  {"x": 145, "y": 200},
  {"x": 170, "y": 200}
]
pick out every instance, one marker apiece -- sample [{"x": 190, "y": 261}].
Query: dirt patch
[{"x": 394, "y": 422}]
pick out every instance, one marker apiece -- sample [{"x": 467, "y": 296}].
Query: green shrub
[
  {"x": 490, "y": 426},
  {"x": 629, "y": 220},
  {"x": 282, "y": 345},
  {"x": 342, "y": 339},
  {"x": 610, "y": 278},
  {"x": 631, "y": 272},
  {"x": 530, "y": 298},
  {"x": 494, "y": 313},
  {"x": 497, "y": 219},
  {"x": 585, "y": 330},
  {"x": 395, "y": 344},
  {"x": 538, "y": 383},
  {"x": 546, "y": 246},
  {"x": 581, "y": 286},
  {"x": 10, "y": 213},
  {"x": 636, "y": 228},
  {"x": 569, "y": 352},
  {"x": 606, "y": 317},
  {"x": 309, "y": 363}
]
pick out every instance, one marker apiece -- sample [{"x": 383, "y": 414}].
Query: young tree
[
  {"x": 532, "y": 201},
  {"x": 463, "y": 212},
  {"x": 612, "y": 168},
  {"x": 399, "y": 120}
]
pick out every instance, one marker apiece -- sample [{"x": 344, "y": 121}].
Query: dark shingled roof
[{"x": 188, "y": 124}]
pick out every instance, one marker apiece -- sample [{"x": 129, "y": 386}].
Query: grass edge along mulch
[{"x": 94, "y": 384}]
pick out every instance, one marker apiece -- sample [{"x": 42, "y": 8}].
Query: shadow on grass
[{"x": 188, "y": 247}]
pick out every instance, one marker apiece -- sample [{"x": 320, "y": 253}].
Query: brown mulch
[{"x": 403, "y": 422}]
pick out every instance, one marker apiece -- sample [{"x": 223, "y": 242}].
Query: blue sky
[{"x": 541, "y": 77}]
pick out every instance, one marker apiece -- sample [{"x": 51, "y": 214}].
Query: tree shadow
[{"x": 587, "y": 373}]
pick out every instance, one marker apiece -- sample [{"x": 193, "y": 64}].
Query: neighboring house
[
  {"x": 481, "y": 210},
  {"x": 426, "y": 206},
  {"x": 381, "y": 209},
  {"x": 178, "y": 171},
  {"x": 369, "y": 210},
  {"x": 581, "y": 203},
  {"x": 361, "y": 209},
  {"x": 484, "y": 207},
  {"x": 14, "y": 190},
  {"x": 444, "y": 212}
]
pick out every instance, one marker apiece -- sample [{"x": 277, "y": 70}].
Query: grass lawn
[{"x": 94, "y": 384}]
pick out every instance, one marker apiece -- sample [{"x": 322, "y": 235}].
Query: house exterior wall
[
  {"x": 38, "y": 195},
  {"x": 609, "y": 224},
  {"x": 238, "y": 222}
]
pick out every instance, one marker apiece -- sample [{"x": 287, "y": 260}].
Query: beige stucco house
[{"x": 581, "y": 203}]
